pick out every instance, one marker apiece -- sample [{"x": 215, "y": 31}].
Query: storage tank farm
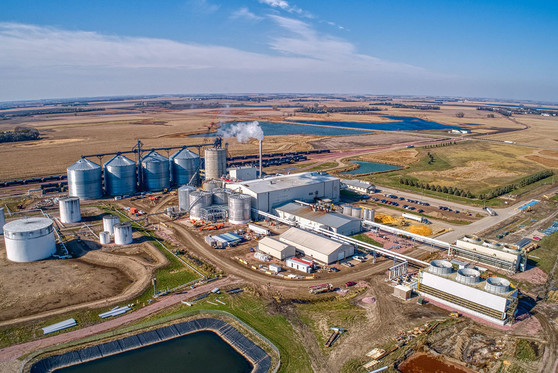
[
  {"x": 120, "y": 176},
  {"x": 155, "y": 172},
  {"x": 29, "y": 239},
  {"x": 69, "y": 210},
  {"x": 185, "y": 166},
  {"x": 84, "y": 180}
]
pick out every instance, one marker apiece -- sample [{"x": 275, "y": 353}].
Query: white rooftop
[
  {"x": 27, "y": 224},
  {"x": 312, "y": 241},
  {"x": 331, "y": 219},
  {"x": 284, "y": 181},
  {"x": 274, "y": 243},
  {"x": 357, "y": 183}
]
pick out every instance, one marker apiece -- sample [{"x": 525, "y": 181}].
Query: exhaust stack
[{"x": 261, "y": 175}]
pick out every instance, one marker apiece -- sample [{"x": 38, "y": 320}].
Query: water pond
[
  {"x": 271, "y": 128},
  {"x": 400, "y": 124},
  {"x": 368, "y": 167}
]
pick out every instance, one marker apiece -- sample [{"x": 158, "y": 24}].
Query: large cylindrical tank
[
  {"x": 29, "y": 239},
  {"x": 185, "y": 165},
  {"x": 215, "y": 163},
  {"x": 120, "y": 176},
  {"x": 220, "y": 196},
  {"x": 109, "y": 221},
  {"x": 2, "y": 220},
  {"x": 123, "y": 233},
  {"x": 468, "y": 276},
  {"x": 440, "y": 267},
  {"x": 104, "y": 237},
  {"x": 347, "y": 210},
  {"x": 212, "y": 184},
  {"x": 497, "y": 285},
  {"x": 155, "y": 172},
  {"x": 356, "y": 212},
  {"x": 184, "y": 197},
  {"x": 84, "y": 180},
  {"x": 240, "y": 207},
  {"x": 198, "y": 200},
  {"x": 69, "y": 210}
]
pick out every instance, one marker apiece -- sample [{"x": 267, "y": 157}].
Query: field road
[{"x": 13, "y": 352}]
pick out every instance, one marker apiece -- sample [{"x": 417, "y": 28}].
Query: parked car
[{"x": 350, "y": 283}]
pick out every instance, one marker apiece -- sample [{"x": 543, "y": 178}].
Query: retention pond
[{"x": 369, "y": 167}]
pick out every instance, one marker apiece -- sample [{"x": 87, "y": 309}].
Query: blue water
[
  {"x": 270, "y": 129},
  {"x": 367, "y": 167},
  {"x": 400, "y": 124},
  {"x": 533, "y": 202}
]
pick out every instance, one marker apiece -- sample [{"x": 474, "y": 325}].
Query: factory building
[
  {"x": 491, "y": 252},
  {"x": 358, "y": 186},
  {"x": 306, "y": 216},
  {"x": 300, "y": 264},
  {"x": 275, "y": 248},
  {"x": 277, "y": 190},
  {"x": 493, "y": 299},
  {"x": 320, "y": 248}
]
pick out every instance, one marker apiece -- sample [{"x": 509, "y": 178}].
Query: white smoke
[{"x": 243, "y": 131}]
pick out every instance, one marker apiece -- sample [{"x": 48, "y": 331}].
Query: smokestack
[{"x": 261, "y": 175}]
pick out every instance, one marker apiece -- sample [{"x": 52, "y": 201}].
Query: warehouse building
[
  {"x": 275, "y": 248},
  {"x": 277, "y": 190},
  {"x": 317, "y": 247},
  {"x": 491, "y": 252},
  {"x": 305, "y": 216},
  {"x": 359, "y": 186},
  {"x": 493, "y": 299}
]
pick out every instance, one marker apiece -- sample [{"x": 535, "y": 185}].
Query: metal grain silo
[
  {"x": 29, "y": 239},
  {"x": 84, "y": 180},
  {"x": 109, "y": 221},
  {"x": 120, "y": 176},
  {"x": 215, "y": 163},
  {"x": 240, "y": 207},
  {"x": 69, "y": 210},
  {"x": 155, "y": 172},
  {"x": 199, "y": 200},
  {"x": 184, "y": 197},
  {"x": 185, "y": 165},
  {"x": 123, "y": 233}
]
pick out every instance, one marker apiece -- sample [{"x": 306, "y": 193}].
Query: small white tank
[
  {"x": 69, "y": 210},
  {"x": 2, "y": 220},
  {"x": 109, "y": 221},
  {"x": 104, "y": 237},
  {"x": 123, "y": 233}
]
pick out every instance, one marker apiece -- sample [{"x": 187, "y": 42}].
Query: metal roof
[
  {"x": 84, "y": 164},
  {"x": 331, "y": 219},
  {"x": 357, "y": 183},
  {"x": 27, "y": 225},
  {"x": 184, "y": 154},
  {"x": 311, "y": 241},
  {"x": 274, "y": 243},
  {"x": 284, "y": 181},
  {"x": 119, "y": 161}
]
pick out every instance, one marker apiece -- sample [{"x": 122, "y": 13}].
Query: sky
[{"x": 485, "y": 48}]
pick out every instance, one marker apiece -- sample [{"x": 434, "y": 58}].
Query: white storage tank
[
  {"x": 347, "y": 210},
  {"x": 69, "y": 210},
  {"x": 104, "y": 237},
  {"x": 240, "y": 208},
  {"x": 109, "y": 221},
  {"x": 84, "y": 180},
  {"x": 29, "y": 239},
  {"x": 215, "y": 163},
  {"x": 2, "y": 220},
  {"x": 356, "y": 212},
  {"x": 184, "y": 197},
  {"x": 120, "y": 176},
  {"x": 123, "y": 233},
  {"x": 440, "y": 267},
  {"x": 185, "y": 165},
  {"x": 220, "y": 196},
  {"x": 198, "y": 200},
  {"x": 155, "y": 172}
]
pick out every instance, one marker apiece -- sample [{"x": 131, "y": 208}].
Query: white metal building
[
  {"x": 472, "y": 245},
  {"x": 320, "y": 248},
  {"x": 274, "y": 191},
  {"x": 275, "y": 248},
  {"x": 243, "y": 173},
  {"x": 306, "y": 217},
  {"x": 359, "y": 186},
  {"x": 492, "y": 299},
  {"x": 299, "y": 264}
]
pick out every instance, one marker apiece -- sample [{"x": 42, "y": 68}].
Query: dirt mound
[
  {"x": 423, "y": 230},
  {"x": 385, "y": 219}
]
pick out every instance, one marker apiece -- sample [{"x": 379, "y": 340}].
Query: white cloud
[
  {"x": 284, "y": 5},
  {"x": 245, "y": 13}
]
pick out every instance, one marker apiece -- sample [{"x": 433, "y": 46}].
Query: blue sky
[{"x": 500, "y": 49}]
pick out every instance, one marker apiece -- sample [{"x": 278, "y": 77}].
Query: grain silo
[
  {"x": 215, "y": 163},
  {"x": 29, "y": 239},
  {"x": 185, "y": 166},
  {"x": 84, "y": 180},
  {"x": 69, "y": 210},
  {"x": 240, "y": 207},
  {"x": 2, "y": 220},
  {"x": 155, "y": 172},
  {"x": 123, "y": 233},
  {"x": 184, "y": 197},
  {"x": 109, "y": 221},
  {"x": 120, "y": 176},
  {"x": 199, "y": 200}
]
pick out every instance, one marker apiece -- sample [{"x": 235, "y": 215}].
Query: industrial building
[
  {"x": 493, "y": 299},
  {"x": 300, "y": 264},
  {"x": 29, "y": 239},
  {"x": 358, "y": 186},
  {"x": 244, "y": 173},
  {"x": 306, "y": 216},
  {"x": 274, "y": 191},
  {"x": 275, "y": 248},
  {"x": 319, "y": 248},
  {"x": 490, "y": 252}
]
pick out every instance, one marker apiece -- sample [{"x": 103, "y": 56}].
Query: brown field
[{"x": 399, "y": 158}]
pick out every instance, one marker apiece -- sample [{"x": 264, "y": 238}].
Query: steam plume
[{"x": 243, "y": 131}]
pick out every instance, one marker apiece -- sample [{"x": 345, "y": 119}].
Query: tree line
[{"x": 19, "y": 134}]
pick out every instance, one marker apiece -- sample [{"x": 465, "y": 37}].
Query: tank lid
[
  {"x": 27, "y": 225},
  {"x": 184, "y": 154},
  {"x": 111, "y": 217},
  {"x": 83, "y": 164},
  {"x": 68, "y": 199},
  {"x": 120, "y": 161},
  {"x": 123, "y": 224}
]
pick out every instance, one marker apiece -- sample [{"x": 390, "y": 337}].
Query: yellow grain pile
[
  {"x": 423, "y": 230},
  {"x": 385, "y": 219}
]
